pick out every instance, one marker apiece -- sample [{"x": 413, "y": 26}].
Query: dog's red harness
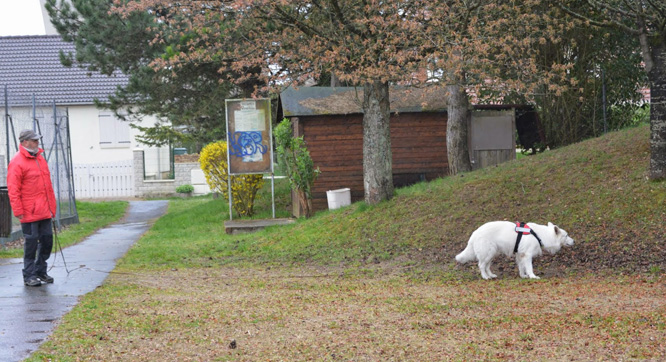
[{"x": 523, "y": 229}]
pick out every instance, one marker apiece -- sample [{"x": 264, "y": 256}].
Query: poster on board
[{"x": 249, "y": 136}]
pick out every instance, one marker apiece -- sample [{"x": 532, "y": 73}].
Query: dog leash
[{"x": 56, "y": 245}]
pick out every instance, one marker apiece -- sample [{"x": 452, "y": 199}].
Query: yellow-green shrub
[{"x": 213, "y": 161}]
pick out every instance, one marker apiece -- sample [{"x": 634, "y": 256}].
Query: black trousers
[{"x": 37, "y": 247}]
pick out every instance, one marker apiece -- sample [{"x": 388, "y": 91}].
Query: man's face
[{"x": 31, "y": 144}]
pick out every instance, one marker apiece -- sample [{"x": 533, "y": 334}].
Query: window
[{"x": 113, "y": 133}]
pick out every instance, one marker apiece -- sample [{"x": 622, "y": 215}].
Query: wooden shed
[{"x": 330, "y": 119}]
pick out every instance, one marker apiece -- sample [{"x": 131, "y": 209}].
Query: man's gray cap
[{"x": 28, "y": 134}]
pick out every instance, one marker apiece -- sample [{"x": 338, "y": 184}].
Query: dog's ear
[{"x": 557, "y": 230}]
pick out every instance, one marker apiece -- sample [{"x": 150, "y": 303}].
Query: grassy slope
[{"x": 597, "y": 190}]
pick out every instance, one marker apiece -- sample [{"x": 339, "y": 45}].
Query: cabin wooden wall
[{"x": 335, "y": 142}]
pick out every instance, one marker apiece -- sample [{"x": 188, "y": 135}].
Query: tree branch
[
  {"x": 606, "y": 23},
  {"x": 290, "y": 20},
  {"x": 660, "y": 8},
  {"x": 600, "y": 5},
  {"x": 340, "y": 17}
]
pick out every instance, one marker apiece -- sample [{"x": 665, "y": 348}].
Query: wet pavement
[{"x": 29, "y": 314}]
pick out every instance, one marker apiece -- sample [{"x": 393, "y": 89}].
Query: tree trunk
[
  {"x": 657, "y": 78},
  {"x": 305, "y": 202},
  {"x": 335, "y": 82},
  {"x": 377, "y": 156},
  {"x": 458, "y": 115}
]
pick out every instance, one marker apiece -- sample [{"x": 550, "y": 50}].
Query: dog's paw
[{"x": 534, "y": 277}]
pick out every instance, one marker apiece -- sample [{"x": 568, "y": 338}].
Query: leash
[{"x": 56, "y": 245}]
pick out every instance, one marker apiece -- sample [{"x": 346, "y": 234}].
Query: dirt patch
[
  {"x": 380, "y": 314},
  {"x": 14, "y": 244}
]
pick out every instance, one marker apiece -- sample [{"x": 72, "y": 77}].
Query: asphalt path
[{"x": 29, "y": 314}]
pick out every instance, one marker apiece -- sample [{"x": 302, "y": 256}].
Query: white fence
[{"x": 104, "y": 180}]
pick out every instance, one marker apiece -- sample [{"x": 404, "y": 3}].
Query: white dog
[{"x": 498, "y": 237}]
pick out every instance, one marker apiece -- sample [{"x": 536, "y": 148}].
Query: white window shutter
[
  {"x": 106, "y": 128},
  {"x": 112, "y": 131},
  {"x": 122, "y": 131}
]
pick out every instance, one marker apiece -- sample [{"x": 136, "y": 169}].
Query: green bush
[
  {"x": 185, "y": 189},
  {"x": 297, "y": 163}
]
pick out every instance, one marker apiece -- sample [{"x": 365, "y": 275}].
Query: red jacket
[{"x": 29, "y": 185}]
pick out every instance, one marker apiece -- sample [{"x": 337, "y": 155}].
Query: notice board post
[{"x": 249, "y": 141}]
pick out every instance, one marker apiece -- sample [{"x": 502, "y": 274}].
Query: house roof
[
  {"x": 31, "y": 65},
  {"x": 309, "y": 101}
]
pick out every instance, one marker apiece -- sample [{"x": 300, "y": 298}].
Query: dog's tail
[{"x": 466, "y": 255}]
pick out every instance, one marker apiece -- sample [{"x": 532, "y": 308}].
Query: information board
[{"x": 249, "y": 136}]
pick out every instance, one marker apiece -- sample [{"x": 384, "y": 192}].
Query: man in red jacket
[{"x": 34, "y": 204}]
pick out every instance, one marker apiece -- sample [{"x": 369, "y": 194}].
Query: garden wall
[{"x": 185, "y": 173}]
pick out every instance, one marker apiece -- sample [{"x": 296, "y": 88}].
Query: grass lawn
[
  {"x": 92, "y": 216},
  {"x": 379, "y": 283},
  {"x": 376, "y": 314}
]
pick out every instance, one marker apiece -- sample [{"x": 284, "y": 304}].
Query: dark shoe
[
  {"x": 45, "y": 278},
  {"x": 32, "y": 282}
]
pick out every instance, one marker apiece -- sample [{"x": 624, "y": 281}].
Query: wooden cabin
[{"x": 330, "y": 119}]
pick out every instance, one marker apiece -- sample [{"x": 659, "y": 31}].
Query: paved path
[{"x": 28, "y": 315}]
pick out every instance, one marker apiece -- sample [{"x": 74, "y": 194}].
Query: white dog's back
[{"x": 487, "y": 239}]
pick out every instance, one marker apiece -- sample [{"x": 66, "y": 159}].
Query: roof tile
[{"x": 31, "y": 65}]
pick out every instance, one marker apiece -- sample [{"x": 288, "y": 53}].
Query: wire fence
[{"x": 52, "y": 123}]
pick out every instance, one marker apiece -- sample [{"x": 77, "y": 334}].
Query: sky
[{"x": 21, "y": 17}]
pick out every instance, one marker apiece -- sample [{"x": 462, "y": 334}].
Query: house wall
[
  {"x": 85, "y": 135},
  {"x": 84, "y": 129},
  {"x": 418, "y": 143}
]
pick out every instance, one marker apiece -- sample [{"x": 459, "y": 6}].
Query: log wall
[{"x": 335, "y": 142}]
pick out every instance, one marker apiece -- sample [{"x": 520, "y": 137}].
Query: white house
[{"x": 31, "y": 73}]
